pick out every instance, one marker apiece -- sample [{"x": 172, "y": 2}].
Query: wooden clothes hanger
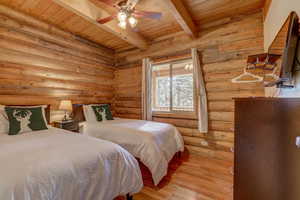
[{"x": 257, "y": 78}]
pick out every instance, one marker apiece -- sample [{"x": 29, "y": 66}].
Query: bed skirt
[{"x": 147, "y": 176}]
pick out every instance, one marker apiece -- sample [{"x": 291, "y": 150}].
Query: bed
[
  {"x": 152, "y": 143},
  {"x": 58, "y": 165}
]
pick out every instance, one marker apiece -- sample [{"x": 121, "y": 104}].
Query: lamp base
[{"x": 65, "y": 117}]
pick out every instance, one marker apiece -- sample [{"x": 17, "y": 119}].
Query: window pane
[
  {"x": 161, "y": 87},
  {"x": 183, "y": 87}
]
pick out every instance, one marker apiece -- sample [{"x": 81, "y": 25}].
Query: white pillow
[
  {"x": 89, "y": 113},
  {"x": 4, "y": 123}
]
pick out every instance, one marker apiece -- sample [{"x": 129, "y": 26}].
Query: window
[{"x": 173, "y": 87}]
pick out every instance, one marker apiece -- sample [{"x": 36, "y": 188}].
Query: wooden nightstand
[{"x": 69, "y": 125}]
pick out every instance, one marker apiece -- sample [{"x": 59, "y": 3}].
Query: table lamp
[{"x": 65, "y": 105}]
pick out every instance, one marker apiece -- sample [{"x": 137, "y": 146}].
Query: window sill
[{"x": 180, "y": 115}]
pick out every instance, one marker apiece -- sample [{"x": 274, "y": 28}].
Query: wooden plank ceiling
[
  {"x": 195, "y": 16},
  {"x": 52, "y": 13}
]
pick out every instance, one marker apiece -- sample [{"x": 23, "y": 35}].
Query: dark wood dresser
[{"x": 267, "y": 160}]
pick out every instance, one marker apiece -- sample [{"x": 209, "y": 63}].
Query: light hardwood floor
[{"x": 193, "y": 178}]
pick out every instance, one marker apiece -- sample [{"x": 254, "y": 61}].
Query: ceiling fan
[{"x": 126, "y": 13}]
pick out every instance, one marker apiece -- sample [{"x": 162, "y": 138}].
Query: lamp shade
[{"x": 65, "y": 105}]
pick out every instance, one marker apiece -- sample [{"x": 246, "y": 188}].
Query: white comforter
[
  {"x": 153, "y": 143},
  {"x": 56, "y": 165}
]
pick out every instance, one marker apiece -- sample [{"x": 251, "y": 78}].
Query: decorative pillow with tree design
[
  {"x": 25, "y": 119},
  {"x": 103, "y": 112}
]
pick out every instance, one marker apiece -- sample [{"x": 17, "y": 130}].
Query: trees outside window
[{"x": 173, "y": 87}]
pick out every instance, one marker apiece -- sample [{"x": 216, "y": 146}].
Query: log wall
[
  {"x": 224, "y": 52},
  {"x": 128, "y": 92},
  {"x": 43, "y": 65}
]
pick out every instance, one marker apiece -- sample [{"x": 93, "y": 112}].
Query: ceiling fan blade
[
  {"x": 106, "y": 19},
  {"x": 147, "y": 14}
]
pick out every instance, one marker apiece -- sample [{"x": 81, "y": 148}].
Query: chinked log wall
[
  {"x": 224, "y": 53},
  {"x": 42, "y": 65}
]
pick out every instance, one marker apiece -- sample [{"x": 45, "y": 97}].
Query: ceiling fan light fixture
[
  {"x": 123, "y": 24},
  {"x": 127, "y": 14},
  {"x": 122, "y": 16},
  {"x": 188, "y": 67},
  {"x": 132, "y": 21}
]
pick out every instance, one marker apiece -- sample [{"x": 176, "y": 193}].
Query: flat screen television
[{"x": 291, "y": 54}]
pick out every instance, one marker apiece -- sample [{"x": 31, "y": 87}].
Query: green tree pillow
[
  {"x": 103, "y": 112},
  {"x": 22, "y": 119}
]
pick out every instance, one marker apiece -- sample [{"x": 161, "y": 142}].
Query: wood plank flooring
[{"x": 194, "y": 177}]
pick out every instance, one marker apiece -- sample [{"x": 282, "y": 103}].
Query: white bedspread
[
  {"x": 153, "y": 143},
  {"x": 56, "y": 165}
]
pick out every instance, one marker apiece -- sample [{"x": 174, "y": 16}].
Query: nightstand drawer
[{"x": 67, "y": 125}]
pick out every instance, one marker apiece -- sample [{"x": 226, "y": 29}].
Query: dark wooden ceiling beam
[{"x": 182, "y": 16}]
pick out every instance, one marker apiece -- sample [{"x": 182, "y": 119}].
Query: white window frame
[{"x": 187, "y": 114}]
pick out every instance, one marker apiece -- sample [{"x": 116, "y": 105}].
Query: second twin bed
[{"x": 153, "y": 143}]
